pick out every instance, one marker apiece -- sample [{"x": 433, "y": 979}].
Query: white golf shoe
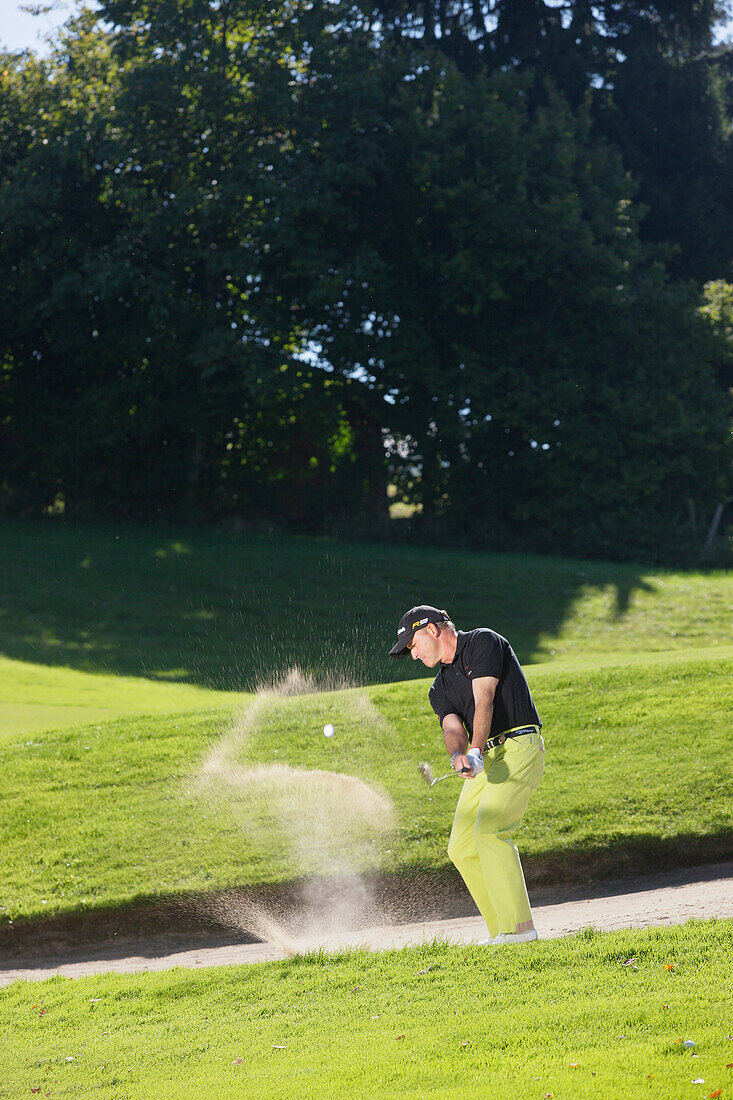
[{"x": 509, "y": 937}]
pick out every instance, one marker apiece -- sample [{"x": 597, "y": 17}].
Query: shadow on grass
[
  {"x": 227, "y": 611},
  {"x": 185, "y": 922},
  {"x": 626, "y": 589}
]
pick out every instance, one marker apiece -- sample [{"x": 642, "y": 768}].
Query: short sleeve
[
  {"x": 485, "y": 655},
  {"x": 439, "y": 700}
]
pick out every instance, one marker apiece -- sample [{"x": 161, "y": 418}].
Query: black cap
[{"x": 415, "y": 619}]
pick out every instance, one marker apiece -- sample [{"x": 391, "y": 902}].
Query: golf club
[{"x": 427, "y": 773}]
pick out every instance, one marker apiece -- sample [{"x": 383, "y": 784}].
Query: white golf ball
[{"x": 328, "y": 730}]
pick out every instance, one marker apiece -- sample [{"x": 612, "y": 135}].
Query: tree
[
  {"x": 253, "y": 255},
  {"x": 148, "y": 370},
  {"x": 661, "y": 93},
  {"x": 666, "y": 111},
  {"x": 479, "y": 268},
  {"x": 53, "y": 221}
]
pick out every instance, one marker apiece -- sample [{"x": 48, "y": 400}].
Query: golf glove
[{"x": 477, "y": 760}]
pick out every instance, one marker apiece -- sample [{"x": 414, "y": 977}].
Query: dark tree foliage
[
  {"x": 146, "y": 371},
  {"x": 478, "y": 264},
  {"x": 667, "y": 115},
  {"x": 258, "y": 260},
  {"x": 661, "y": 94}
]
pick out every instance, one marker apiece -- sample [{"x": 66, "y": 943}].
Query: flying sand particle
[{"x": 324, "y": 822}]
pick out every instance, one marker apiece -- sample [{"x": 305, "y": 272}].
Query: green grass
[
  {"x": 224, "y": 610},
  {"x": 586, "y": 1016},
  {"x": 119, "y": 652},
  {"x": 34, "y": 698},
  {"x": 639, "y": 773}
]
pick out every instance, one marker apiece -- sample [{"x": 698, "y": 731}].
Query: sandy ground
[{"x": 672, "y": 898}]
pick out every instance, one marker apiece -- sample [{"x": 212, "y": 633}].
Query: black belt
[{"x": 494, "y": 742}]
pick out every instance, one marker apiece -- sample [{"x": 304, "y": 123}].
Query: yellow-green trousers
[{"x": 489, "y": 809}]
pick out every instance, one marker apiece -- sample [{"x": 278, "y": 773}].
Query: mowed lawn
[
  {"x": 639, "y": 774},
  {"x": 117, "y": 641},
  {"x": 39, "y": 697},
  {"x": 125, "y": 657},
  {"x": 587, "y": 1016},
  {"x": 227, "y": 611}
]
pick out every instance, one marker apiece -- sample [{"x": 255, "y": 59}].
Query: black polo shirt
[{"x": 483, "y": 652}]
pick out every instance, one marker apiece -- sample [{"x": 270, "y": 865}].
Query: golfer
[{"x": 492, "y": 734}]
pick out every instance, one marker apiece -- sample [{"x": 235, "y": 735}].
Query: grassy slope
[
  {"x": 98, "y": 813},
  {"x": 224, "y": 610},
  {"x": 638, "y": 770},
  {"x": 100, "y": 608},
  {"x": 563, "y": 1018},
  {"x": 36, "y": 698}
]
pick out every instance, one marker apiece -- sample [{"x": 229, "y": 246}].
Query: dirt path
[{"x": 663, "y": 899}]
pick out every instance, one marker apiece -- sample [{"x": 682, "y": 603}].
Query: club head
[{"x": 426, "y": 772}]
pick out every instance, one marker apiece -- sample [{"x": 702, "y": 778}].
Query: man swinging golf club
[{"x": 492, "y": 734}]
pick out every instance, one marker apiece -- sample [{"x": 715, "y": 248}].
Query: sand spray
[{"x": 324, "y": 825}]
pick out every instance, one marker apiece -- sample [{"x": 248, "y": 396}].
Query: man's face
[{"x": 425, "y": 645}]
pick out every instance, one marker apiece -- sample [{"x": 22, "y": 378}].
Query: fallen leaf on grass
[
  {"x": 670, "y": 966},
  {"x": 35, "y": 1090},
  {"x": 715, "y": 1094},
  {"x": 399, "y": 1036},
  {"x": 730, "y": 1065},
  {"x": 238, "y": 1062}
]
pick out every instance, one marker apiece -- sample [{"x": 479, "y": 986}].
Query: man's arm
[
  {"x": 455, "y": 737},
  {"x": 484, "y": 690}
]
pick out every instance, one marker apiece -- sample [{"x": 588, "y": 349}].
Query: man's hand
[
  {"x": 470, "y": 763},
  {"x": 462, "y": 763}
]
